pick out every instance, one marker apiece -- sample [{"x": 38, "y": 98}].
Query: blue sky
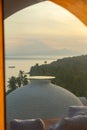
[{"x": 46, "y": 23}]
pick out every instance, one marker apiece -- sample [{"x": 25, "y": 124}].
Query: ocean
[{"x": 14, "y": 65}]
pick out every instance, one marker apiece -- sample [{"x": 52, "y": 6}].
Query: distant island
[
  {"x": 70, "y": 73},
  {"x": 40, "y": 49}
]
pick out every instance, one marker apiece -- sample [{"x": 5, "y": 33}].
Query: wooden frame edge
[{"x": 2, "y": 104}]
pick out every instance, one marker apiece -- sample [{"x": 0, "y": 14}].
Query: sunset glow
[{"x": 45, "y": 23}]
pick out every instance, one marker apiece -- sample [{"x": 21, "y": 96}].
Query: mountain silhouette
[{"x": 38, "y": 48}]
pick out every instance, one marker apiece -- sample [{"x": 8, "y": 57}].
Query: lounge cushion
[
  {"x": 75, "y": 123},
  {"x": 29, "y": 124},
  {"x": 77, "y": 110}
]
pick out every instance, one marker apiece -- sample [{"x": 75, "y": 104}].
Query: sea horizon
[{"x": 38, "y": 57}]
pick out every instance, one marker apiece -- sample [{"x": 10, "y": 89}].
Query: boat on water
[{"x": 11, "y": 67}]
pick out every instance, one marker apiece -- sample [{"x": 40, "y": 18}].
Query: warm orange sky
[{"x": 45, "y": 23}]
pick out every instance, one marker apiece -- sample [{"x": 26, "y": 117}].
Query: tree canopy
[
  {"x": 70, "y": 73},
  {"x": 16, "y": 82}
]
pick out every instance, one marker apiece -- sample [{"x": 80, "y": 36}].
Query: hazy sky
[{"x": 45, "y": 24}]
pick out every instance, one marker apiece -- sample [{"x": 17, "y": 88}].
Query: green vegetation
[
  {"x": 70, "y": 73},
  {"x": 16, "y": 82}
]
